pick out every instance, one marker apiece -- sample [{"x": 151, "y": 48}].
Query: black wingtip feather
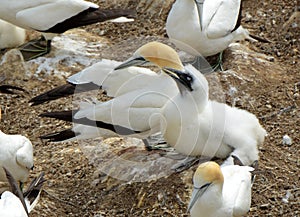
[
  {"x": 8, "y": 89},
  {"x": 60, "y": 136},
  {"x": 34, "y": 188},
  {"x": 56, "y": 93},
  {"x": 91, "y": 16},
  {"x": 60, "y": 115},
  {"x": 63, "y": 91}
]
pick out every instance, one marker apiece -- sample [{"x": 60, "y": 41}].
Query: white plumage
[
  {"x": 221, "y": 191},
  {"x": 52, "y": 17},
  {"x": 17, "y": 203},
  {"x": 197, "y": 126},
  {"x": 11, "y": 206},
  {"x": 219, "y": 26},
  {"x": 176, "y": 104},
  {"x": 16, "y": 155},
  {"x": 11, "y": 35}
]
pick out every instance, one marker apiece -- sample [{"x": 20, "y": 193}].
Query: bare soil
[{"x": 267, "y": 79}]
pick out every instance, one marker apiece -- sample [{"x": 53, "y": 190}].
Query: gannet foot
[{"x": 35, "y": 48}]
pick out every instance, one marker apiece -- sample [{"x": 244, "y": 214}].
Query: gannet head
[
  {"x": 154, "y": 53},
  {"x": 24, "y": 155},
  {"x": 189, "y": 79},
  {"x": 208, "y": 173}
]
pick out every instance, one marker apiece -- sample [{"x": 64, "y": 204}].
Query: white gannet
[
  {"x": 221, "y": 191},
  {"x": 114, "y": 77},
  {"x": 15, "y": 203},
  {"x": 16, "y": 155},
  {"x": 195, "y": 126},
  {"x": 136, "y": 90},
  {"x": 205, "y": 28},
  {"x": 189, "y": 122},
  {"x": 11, "y": 35},
  {"x": 51, "y": 17}
]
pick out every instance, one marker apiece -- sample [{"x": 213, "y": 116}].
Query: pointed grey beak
[
  {"x": 199, "y": 5},
  {"x": 197, "y": 193},
  {"x": 136, "y": 61},
  {"x": 182, "y": 78}
]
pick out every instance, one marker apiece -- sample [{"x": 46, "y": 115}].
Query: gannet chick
[
  {"x": 221, "y": 191},
  {"x": 15, "y": 203},
  {"x": 52, "y": 17},
  {"x": 11, "y": 35},
  {"x": 205, "y": 28},
  {"x": 16, "y": 155}
]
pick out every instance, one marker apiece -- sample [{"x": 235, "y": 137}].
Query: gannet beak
[
  {"x": 180, "y": 77},
  {"x": 199, "y": 5},
  {"x": 197, "y": 193},
  {"x": 133, "y": 61}
]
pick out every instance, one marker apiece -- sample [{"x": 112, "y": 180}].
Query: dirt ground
[{"x": 265, "y": 75}]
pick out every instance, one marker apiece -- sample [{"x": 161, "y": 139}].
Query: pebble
[{"x": 286, "y": 140}]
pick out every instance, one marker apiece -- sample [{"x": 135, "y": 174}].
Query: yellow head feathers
[
  {"x": 154, "y": 53},
  {"x": 208, "y": 172},
  {"x": 160, "y": 54}
]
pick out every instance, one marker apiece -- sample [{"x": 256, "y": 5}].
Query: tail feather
[
  {"x": 90, "y": 16},
  {"x": 62, "y": 91}
]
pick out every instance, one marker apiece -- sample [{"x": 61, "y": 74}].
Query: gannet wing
[{"x": 220, "y": 17}]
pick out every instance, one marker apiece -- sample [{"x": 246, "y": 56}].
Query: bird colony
[{"x": 151, "y": 93}]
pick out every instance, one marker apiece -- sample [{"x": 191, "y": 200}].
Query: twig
[
  {"x": 273, "y": 114},
  {"x": 60, "y": 200}
]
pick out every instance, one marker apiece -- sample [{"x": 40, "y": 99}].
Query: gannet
[
  {"x": 114, "y": 77},
  {"x": 52, "y": 17},
  {"x": 217, "y": 130},
  {"x": 136, "y": 90},
  {"x": 15, "y": 203},
  {"x": 11, "y": 35},
  {"x": 195, "y": 126},
  {"x": 16, "y": 155},
  {"x": 221, "y": 191},
  {"x": 188, "y": 120},
  {"x": 205, "y": 28}
]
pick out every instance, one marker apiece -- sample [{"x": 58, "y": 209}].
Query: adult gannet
[
  {"x": 16, "y": 155},
  {"x": 195, "y": 126},
  {"x": 15, "y": 203},
  {"x": 137, "y": 91},
  {"x": 205, "y": 28},
  {"x": 51, "y": 17},
  {"x": 11, "y": 35},
  {"x": 221, "y": 191},
  {"x": 188, "y": 120}
]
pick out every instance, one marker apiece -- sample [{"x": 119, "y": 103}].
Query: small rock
[{"x": 286, "y": 140}]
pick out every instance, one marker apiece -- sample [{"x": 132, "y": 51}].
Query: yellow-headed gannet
[
  {"x": 221, "y": 191},
  {"x": 181, "y": 110},
  {"x": 136, "y": 90},
  {"x": 51, "y": 17}
]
